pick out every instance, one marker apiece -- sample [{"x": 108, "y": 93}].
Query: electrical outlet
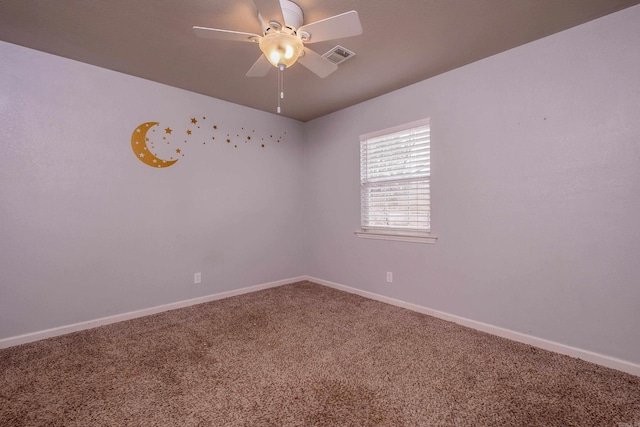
[
  {"x": 389, "y": 277},
  {"x": 197, "y": 278}
]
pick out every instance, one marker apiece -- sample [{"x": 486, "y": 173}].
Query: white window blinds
[{"x": 395, "y": 178}]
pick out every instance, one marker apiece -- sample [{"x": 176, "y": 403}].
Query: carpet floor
[{"x": 303, "y": 355}]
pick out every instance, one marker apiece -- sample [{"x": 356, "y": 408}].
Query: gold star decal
[
  {"x": 194, "y": 121},
  {"x": 168, "y": 130},
  {"x": 178, "y": 150},
  {"x": 188, "y": 132}
]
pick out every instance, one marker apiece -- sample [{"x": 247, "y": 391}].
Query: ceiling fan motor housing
[{"x": 292, "y": 14}]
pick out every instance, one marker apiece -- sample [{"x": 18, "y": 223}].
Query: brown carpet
[{"x": 303, "y": 355}]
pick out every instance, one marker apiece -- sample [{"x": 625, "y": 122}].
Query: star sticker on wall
[
  {"x": 168, "y": 130},
  {"x": 194, "y": 121},
  {"x": 178, "y": 150},
  {"x": 188, "y": 132}
]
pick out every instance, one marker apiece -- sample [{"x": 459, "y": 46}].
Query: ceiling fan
[{"x": 284, "y": 37}]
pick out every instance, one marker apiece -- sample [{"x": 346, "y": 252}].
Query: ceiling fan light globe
[{"x": 281, "y": 48}]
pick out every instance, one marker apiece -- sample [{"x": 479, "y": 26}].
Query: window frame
[{"x": 414, "y": 235}]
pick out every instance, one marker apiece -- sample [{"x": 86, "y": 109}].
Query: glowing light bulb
[
  {"x": 288, "y": 52},
  {"x": 274, "y": 57}
]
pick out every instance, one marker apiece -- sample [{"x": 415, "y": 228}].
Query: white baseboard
[
  {"x": 600, "y": 359},
  {"x": 61, "y": 330},
  {"x": 589, "y": 356}
]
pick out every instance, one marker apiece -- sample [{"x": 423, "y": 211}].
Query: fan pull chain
[{"x": 281, "y": 68}]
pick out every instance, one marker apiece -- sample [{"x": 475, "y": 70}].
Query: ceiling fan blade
[
  {"x": 270, "y": 10},
  {"x": 317, "y": 63},
  {"x": 214, "y": 33},
  {"x": 336, "y": 27},
  {"x": 260, "y": 68}
]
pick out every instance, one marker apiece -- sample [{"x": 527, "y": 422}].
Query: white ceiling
[{"x": 403, "y": 42}]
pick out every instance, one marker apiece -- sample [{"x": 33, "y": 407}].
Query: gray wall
[
  {"x": 535, "y": 191},
  {"x": 88, "y": 231}
]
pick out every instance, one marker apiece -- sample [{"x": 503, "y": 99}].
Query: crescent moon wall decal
[{"x": 141, "y": 150}]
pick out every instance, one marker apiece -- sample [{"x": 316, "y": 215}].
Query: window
[{"x": 395, "y": 183}]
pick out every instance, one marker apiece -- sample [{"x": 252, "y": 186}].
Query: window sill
[{"x": 398, "y": 237}]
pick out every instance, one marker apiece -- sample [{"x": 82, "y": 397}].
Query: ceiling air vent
[{"x": 338, "y": 55}]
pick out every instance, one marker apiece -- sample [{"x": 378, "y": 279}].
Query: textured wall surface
[
  {"x": 87, "y": 230},
  {"x": 535, "y": 191}
]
